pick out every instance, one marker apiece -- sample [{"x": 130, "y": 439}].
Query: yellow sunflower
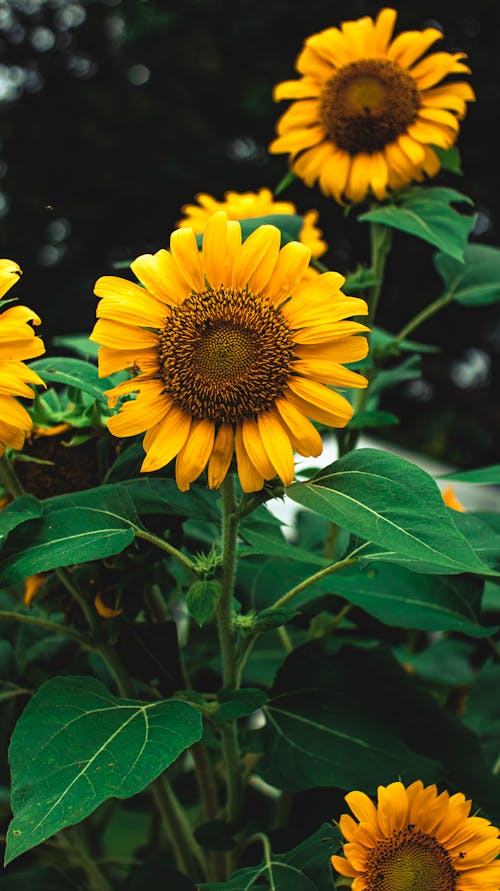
[
  {"x": 417, "y": 840},
  {"x": 233, "y": 352},
  {"x": 17, "y": 342},
  {"x": 244, "y": 206},
  {"x": 369, "y": 109}
]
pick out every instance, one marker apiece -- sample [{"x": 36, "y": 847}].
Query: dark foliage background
[{"x": 114, "y": 113}]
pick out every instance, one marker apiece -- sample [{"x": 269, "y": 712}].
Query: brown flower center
[
  {"x": 368, "y": 104},
  {"x": 225, "y": 355},
  {"x": 410, "y": 860}
]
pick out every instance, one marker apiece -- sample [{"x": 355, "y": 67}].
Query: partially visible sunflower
[
  {"x": 233, "y": 352},
  {"x": 244, "y": 206},
  {"x": 17, "y": 342},
  {"x": 417, "y": 840},
  {"x": 368, "y": 109},
  {"x": 451, "y": 500}
]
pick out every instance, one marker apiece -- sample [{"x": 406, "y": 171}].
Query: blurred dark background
[{"x": 115, "y": 113}]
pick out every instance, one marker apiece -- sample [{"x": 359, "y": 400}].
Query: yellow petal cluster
[{"x": 17, "y": 342}]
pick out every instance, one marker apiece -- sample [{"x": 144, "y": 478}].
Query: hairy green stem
[
  {"x": 316, "y": 577},
  {"x": 165, "y": 546}
]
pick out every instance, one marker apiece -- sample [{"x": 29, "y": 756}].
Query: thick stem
[
  {"x": 229, "y": 731},
  {"x": 323, "y": 573}
]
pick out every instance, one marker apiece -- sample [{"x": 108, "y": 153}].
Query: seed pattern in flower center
[
  {"x": 368, "y": 104},
  {"x": 410, "y": 860},
  {"x": 225, "y": 355}
]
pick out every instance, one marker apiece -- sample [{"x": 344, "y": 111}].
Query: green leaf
[
  {"x": 235, "y": 704},
  {"x": 385, "y": 343},
  {"x": 19, "y": 511},
  {"x": 73, "y": 373},
  {"x": 358, "y": 282},
  {"x": 405, "y": 599},
  {"x": 202, "y": 598},
  {"x": 449, "y": 158},
  {"x": 313, "y": 854},
  {"x": 482, "y": 712},
  {"x": 157, "y": 495},
  {"x": 408, "y": 370},
  {"x": 314, "y": 738},
  {"x": 367, "y": 419},
  {"x": 76, "y": 528},
  {"x": 75, "y": 745},
  {"x": 427, "y": 213},
  {"x": 284, "y": 182},
  {"x": 263, "y": 543},
  {"x": 482, "y": 476},
  {"x": 277, "y": 876},
  {"x": 393, "y": 503},
  {"x": 79, "y": 344},
  {"x": 476, "y": 281},
  {"x": 290, "y": 226},
  {"x": 443, "y": 662}
]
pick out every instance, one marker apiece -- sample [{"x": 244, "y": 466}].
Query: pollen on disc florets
[
  {"x": 368, "y": 104},
  {"x": 225, "y": 355},
  {"x": 411, "y": 860}
]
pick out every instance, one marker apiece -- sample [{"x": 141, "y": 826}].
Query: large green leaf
[
  {"x": 315, "y": 738},
  {"x": 476, "y": 281},
  {"x": 427, "y": 213},
  {"x": 76, "y": 745},
  {"x": 273, "y": 876},
  {"x": 73, "y": 373},
  {"x": 367, "y": 685},
  {"x": 393, "y": 503},
  {"x": 88, "y": 525},
  {"x": 483, "y": 712}
]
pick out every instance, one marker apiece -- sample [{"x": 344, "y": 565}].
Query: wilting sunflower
[
  {"x": 244, "y": 206},
  {"x": 417, "y": 840},
  {"x": 368, "y": 109},
  {"x": 17, "y": 342},
  {"x": 232, "y": 351}
]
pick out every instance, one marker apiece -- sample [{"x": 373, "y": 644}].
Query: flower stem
[
  {"x": 381, "y": 242},
  {"x": 425, "y": 314},
  {"x": 165, "y": 546},
  {"x": 188, "y": 855},
  {"x": 323, "y": 573},
  {"x": 229, "y": 731}
]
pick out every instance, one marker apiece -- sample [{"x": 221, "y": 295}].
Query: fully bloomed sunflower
[
  {"x": 232, "y": 352},
  {"x": 244, "y": 206},
  {"x": 17, "y": 342},
  {"x": 415, "y": 839},
  {"x": 369, "y": 109}
]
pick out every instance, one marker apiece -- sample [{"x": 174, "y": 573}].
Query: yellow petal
[
  {"x": 379, "y": 175},
  {"x": 120, "y": 336},
  {"x": 220, "y": 458},
  {"x": 193, "y": 456},
  {"x": 359, "y": 177},
  {"x": 185, "y": 251},
  {"x": 221, "y": 243},
  {"x": 319, "y": 334},
  {"x": 335, "y": 174},
  {"x": 342, "y": 350},
  {"x": 12, "y": 436},
  {"x": 304, "y": 88},
  {"x": 318, "y": 402},
  {"x": 384, "y": 27},
  {"x": 407, "y": 47},
  {"x": 329, "y": 373},
  {"x": 165, "y": 440},
  {"x": 254, "y": 447},
  {"x": 392, "y": 808},
  {"x": 277, "y": 445},
  {"x": 142, "y": 413},
  {"x": 111, "y": 360},
  {"x": 311, "y": 163},
  {"x": 257, "y": 258},
  {"x": 10, "y": 271},
  {"x": 123, "y": 301},
  {"x": 160, "y": 274},
  {"x": 13, "y": 413},
  {"x": 250, "y": 479},
  {"x": 297, "y": 140},
  {"x": 293, "y": 260},
  {"x": 301, "y": 428}
]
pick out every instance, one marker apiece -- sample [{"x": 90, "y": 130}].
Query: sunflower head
[
  {"x": 17, "y": 342},
  {"x": 368, "y": 109},
  {"x": 415, "y": 839},
  {"x": 232, "y": 352}
]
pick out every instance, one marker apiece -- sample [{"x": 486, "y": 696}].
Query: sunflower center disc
[
  {"x": 225, "y": 355},
  {"x": 410, "y": 860},
  {"x": 368, "y": 104}
]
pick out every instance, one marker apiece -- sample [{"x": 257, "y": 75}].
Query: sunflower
[
  {"x": 368, "y": 110},
  {"x": 17, "y": 342},
  {"x": 232, "y": 352},
  {"x": 244, "y": 206},
  {"x": 417, "y": 840}
]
